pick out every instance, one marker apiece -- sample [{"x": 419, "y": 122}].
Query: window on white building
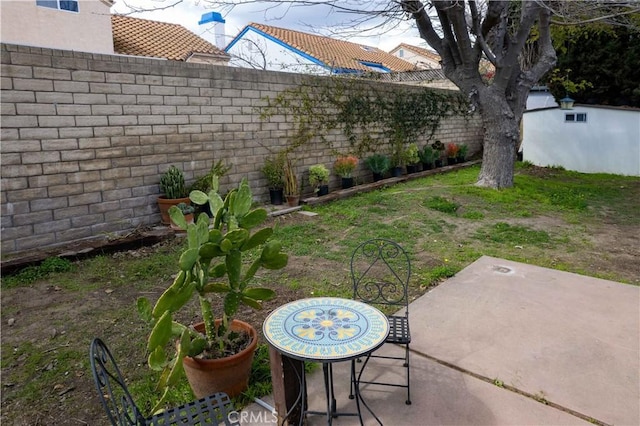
[
  {"x": 575, "y": 117},
  {"x": 70, "y": 5},
  {"x": 401, "y": 53}
]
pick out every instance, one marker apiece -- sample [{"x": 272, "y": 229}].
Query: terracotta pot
[
  {"x": 293, "y": 200},
  {"x": 230, "y": 374},
  {"x": 165, "y": 203}
]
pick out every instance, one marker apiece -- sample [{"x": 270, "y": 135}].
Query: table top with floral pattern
[{"x": 326, "y": 329}]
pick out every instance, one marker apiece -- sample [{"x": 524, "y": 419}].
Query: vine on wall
[{"x": 371, "y": 116}]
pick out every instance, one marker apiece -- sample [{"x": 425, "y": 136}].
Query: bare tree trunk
[{"x": 501, "y": 136}]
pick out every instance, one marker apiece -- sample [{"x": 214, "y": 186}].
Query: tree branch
[
  {"x": 423, "y": 22},
  {"x": 504, "y": 73},
  {"x": 457, "y": 15},
  {"x": 546, "y": 52},
  {"x": 480, "y": 40}
]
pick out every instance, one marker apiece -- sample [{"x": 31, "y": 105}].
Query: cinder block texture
[{"x": 85, "y": 137}]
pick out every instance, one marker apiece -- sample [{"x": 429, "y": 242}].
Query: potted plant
[
  {"x": 451, "y": 153},
  {"x": 187, "y": 211},
  {"x": 411, "y": 158},
  {"x": 426, "y": 155},
  {"x": 379, "y": 164},
  {"x": 273, "y": 170},
  {"x": 344, "y": 167},
  {"x": 175, "y": 192},
  {"x": 462, "y": 153},
  {"x": 291, "y": 191},
  {"x": 221, "y": 256},
  {"x": 319, "y": 179},
  {"x": 397, "y": 159},
  {"x": 438, "y": 148}
]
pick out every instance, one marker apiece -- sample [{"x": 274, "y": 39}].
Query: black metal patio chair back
[
  {"x": 380, "y": 271},
  {"x": 122, "y": 410}
]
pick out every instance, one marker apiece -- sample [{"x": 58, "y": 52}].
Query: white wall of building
[
  {"x": 607, "y": 142},
  {"x": 254, "y": 50},
  {"x": 88, "y": 30},
  {"x": 419, "y": 61},
  {"x": 539, "y": 100}
]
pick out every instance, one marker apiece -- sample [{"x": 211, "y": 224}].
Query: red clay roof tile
[
  {"x": 142, "y": 37},
  {"x": 336, "y": 53}
]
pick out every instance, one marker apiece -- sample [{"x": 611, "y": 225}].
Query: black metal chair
[
  {"x": 122, "y": 410},
  {"x": 380, "y": 270}
]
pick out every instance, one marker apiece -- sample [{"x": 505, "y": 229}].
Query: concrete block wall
[{"x": 86, "y": 137}]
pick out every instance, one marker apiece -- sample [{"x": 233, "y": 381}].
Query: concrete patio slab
[
  {"x": 570, "y": 339},
  {"x": 441, "y": 396},
  {"x": 547, "y": 335}
]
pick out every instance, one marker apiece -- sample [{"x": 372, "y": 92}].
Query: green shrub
[{"x": 31, "y": 274}]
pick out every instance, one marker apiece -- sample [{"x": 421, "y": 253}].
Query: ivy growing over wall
[
  {"x": 304, "y": 108},
  {"x": 370, "y": 115}
]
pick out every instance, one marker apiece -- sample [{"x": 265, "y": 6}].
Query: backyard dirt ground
[{"x": 44, "y": 313}]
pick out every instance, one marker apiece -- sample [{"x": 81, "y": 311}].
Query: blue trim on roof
[
  {"x": 277, "y": 41},
  {"x": 236, "y": 39},
  {"x": 375, "y": 65}
]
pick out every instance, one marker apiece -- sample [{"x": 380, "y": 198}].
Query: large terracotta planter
[
  {"x": 230, "y": 374},
  {"x": 165, "y": 203}
]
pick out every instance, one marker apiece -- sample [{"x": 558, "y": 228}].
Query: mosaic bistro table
[{"x": 327, "y": 330}]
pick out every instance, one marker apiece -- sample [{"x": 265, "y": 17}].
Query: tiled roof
[
  {"x": 418, "y": 51},
  {"x": 335, "y": 53},
  {"x": 141, "y": 37}
]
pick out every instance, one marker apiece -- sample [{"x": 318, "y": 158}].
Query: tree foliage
[{"x": 608, "y": 58}]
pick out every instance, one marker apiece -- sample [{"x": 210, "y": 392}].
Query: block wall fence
[{"x": 86, "y": 137}]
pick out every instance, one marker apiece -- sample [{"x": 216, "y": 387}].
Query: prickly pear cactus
[{"x": 212, "y": 262}]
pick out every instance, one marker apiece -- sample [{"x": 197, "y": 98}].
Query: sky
[{"x": 312, "y": 19}]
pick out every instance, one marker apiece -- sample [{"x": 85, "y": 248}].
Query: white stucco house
[
  {"x": 89, "y": 26},
  {"x": 422, "y": 58},
  {"x": 81, "y": 25},
  {"x": 588, "y": 139},
  {"x": 266, "y": 47}
]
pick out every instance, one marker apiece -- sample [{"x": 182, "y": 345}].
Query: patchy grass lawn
[{"x": 587, "y": 224}]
